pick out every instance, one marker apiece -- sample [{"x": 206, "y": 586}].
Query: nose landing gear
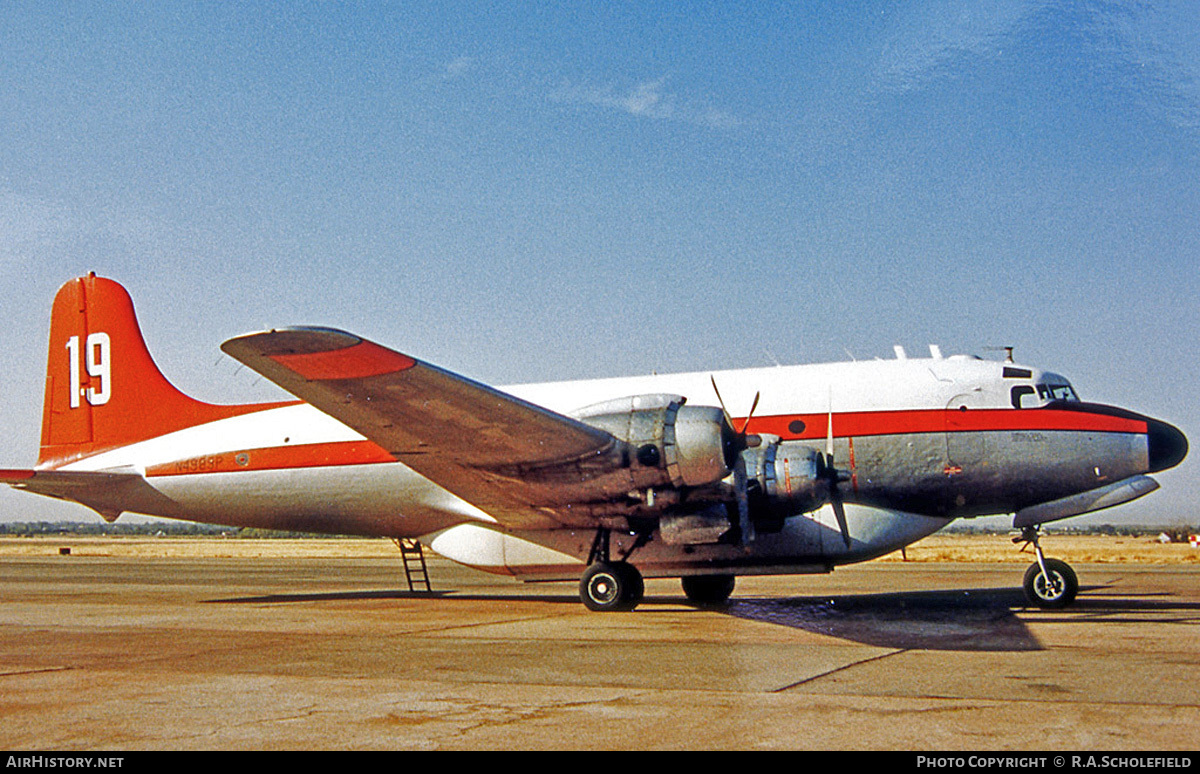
[{"x": 1049, "y": 583}]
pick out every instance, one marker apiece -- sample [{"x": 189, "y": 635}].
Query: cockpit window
[
  {"x": 1026, "y": 396},
  {"x": 1023, "y": 396},
  {"x": 1061, "y": 391}
]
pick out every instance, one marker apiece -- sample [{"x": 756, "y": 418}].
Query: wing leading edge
[{"x": 513, "y": 459}]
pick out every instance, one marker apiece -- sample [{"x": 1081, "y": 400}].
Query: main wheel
[
  {"x": 1057, "y": 590},
  {"x": 611, "y": 586},
  {"x": 635, "y": 585},
  {"x": 708, "y": 590}
]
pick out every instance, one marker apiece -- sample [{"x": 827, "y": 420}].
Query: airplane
[{"x": 700, "y": 476}]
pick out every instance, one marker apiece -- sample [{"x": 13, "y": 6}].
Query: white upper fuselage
[{"x": 876, "y": 385}]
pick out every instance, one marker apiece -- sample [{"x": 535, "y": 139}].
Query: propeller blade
[
  {"x": 745, "y": 441},
  {"x": 753, "y": 406},
  {"x": 829, "y": 431},
  {"x": 839, "y": 510},
  {"x": 835, "y": 496},
  {"x": 721, "y": 400}
]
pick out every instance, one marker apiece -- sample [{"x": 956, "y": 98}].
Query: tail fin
[{"x": 103, "y": 390}]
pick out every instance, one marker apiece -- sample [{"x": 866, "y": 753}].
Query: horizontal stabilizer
[{"x": 109, "y": 493}]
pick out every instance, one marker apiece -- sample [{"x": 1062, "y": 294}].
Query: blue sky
[{"x": 529, "y": 191}]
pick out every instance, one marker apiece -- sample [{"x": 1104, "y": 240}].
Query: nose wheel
[{"x": 1049, "y": 583}]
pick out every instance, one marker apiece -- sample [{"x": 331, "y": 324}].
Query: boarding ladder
[{"x": 415, "y": 571}]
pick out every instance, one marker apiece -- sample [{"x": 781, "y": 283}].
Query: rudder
[{"x": 103, "y": 390}]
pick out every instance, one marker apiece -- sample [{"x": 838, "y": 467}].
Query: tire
[
  {"x": 708, "y": 590},
  {"x": 608, "y": 587},
  {"x": 635, "y": 587},
  {"x": 1060, "y": 592}
]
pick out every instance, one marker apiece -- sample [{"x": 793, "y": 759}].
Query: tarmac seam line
[
  {"x": 842, "y": 668},
  {"x": 40, "y": 671}
]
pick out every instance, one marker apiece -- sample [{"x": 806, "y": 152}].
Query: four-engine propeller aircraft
[{"x": 613, "y": 480}]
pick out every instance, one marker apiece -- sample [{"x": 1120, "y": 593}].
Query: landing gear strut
[
  {"x": 609, "y": 585},
  {"x": 1049, "y": 583}
]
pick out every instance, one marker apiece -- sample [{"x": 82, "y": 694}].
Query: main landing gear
[
  {"x": 609, "y": 584},
  {"x": 614, "y": 584},
  {"x": 1049, "y": 583},
  {"x": 708, "y": 590}
]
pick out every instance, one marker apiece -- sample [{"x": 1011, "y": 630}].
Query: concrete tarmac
[{"x": 110, "y": 652}]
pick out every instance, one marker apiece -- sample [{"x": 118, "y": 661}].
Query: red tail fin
[{"x": 103, "y": 390}]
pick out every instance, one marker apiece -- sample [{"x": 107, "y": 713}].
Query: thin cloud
[
  {"x": 1157, "y": 50},
  {"x": 647, "y": 99},
  {"x": 1146, "y": 48},
  {"x": 459, "y": 67},
  {"x": 930, "y": 37}
]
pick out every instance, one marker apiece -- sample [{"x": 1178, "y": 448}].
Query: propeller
[
  {"x": 828, "y": 469},
  {"x": 733, "y": 449},
  {"x": 743, "y": 440},
  {"x": 833, "y": 476}
]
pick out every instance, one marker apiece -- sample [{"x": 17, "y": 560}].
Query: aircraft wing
[{"x": 473, "y": 440}]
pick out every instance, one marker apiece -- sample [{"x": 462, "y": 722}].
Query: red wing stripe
[{"x": 355, "y": 362}]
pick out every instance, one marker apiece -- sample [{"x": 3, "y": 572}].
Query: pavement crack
[
  {"x": 842, "y": 668},
  {"x": 34, "y": 671}
]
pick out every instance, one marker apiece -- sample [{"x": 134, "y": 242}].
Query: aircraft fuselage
[
  {"x": 703, "y": 476},
  {"x": 920, "y": 442}
]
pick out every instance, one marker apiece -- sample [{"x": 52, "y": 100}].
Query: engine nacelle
[
  {"x": 672, "y": 444},
  {"x": 786, "y": 478}
]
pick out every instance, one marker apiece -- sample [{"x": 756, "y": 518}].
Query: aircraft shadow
[
  {"x": 959, "y": 619},
  {"x": 976, "y": 619},
  {"x": 980, "y": 620},
  {"x": 450, "y": 596},
  {"x": 956, "y": 619},
  {"x": 1156, "y": 607}
]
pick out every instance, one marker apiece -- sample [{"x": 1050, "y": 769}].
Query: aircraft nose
[{"x": 1168, "y": 446}]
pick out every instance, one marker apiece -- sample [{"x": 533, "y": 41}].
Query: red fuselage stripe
[
  {"x": 276, "y": 458},
  {"x": 853, "y": 424},
  {"x": 869, "y": 423}
]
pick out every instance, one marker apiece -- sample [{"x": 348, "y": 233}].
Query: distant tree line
[
  {"x": 151, "y": 528},
  {"x": 191, "y": 529},
  {"x": 1176, "y": 532}
]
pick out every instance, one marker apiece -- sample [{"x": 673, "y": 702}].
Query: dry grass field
[
  {"x": 196, "y": 547},
  {"x": 1074, "y": 549},
  {"x": 950, "y": 547}
]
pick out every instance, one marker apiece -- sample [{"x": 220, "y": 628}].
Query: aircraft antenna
[{"x": 1008, "y": 352}]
